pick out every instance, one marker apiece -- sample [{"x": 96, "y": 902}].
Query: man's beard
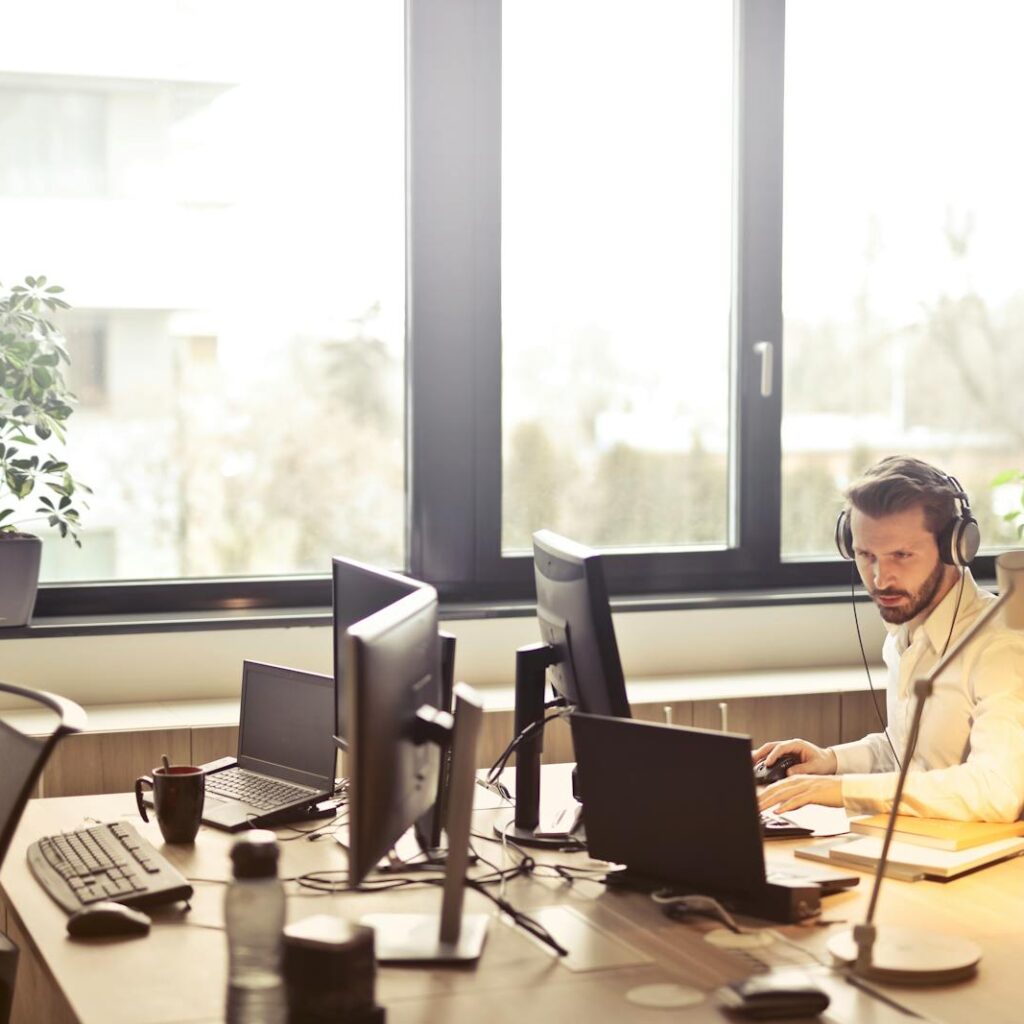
[{"x": 918, "y": 602}]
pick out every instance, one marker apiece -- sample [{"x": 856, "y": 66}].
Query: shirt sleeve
[
  {"x": 989, "y": 785},
  {"x": 870, "y": 754}
]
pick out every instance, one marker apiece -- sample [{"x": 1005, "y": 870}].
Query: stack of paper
[
  {"x": 909, "y": 861},
  {"x": 938, "y": 832}
]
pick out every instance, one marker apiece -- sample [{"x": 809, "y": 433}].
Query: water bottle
[{"x": 254, "y": 917}]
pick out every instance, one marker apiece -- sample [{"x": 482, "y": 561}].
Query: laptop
[
  {"x": 678, "y": 808},
  {"x": 286, "y": 753}
]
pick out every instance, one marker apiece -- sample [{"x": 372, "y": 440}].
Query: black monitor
[
  {"x": 579, "y": 656},
  {"x": 358, "y": 591},
  {"x": 576, "y": 622},
  {"x": 397, "y": 737}
]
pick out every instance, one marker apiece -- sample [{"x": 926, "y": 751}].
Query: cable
[
  {"x": 499, "y": 764},
  {"x": 864, "y": 658}
]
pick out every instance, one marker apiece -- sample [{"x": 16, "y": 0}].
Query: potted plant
[{"x": 35, "y": 404}]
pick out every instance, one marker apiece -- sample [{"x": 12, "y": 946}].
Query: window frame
[{"x": 453, "y": 347}]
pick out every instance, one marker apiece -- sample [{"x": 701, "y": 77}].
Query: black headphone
[{"x": 958, "y": 542}]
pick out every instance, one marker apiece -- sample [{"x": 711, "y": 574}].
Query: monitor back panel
[{"x": 674, "y": 805}]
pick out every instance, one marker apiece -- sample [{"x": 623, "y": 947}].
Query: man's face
[{"x": 898, "y": 560}]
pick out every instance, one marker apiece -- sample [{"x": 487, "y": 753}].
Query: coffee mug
[{"x": 178, "y": 793}]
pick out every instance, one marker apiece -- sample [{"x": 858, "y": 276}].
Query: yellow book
[{"x": 938, "y": 832}]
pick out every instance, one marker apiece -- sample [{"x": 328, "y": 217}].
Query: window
[
  {"x": 221, "y": 194},
  {"x": 439, "y": 274},
  {"x": 904, "y": 310},
  {"x": 616, "y": 271}
]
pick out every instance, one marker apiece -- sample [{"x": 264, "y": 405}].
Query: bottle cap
[{"x": 255, "y": 855}]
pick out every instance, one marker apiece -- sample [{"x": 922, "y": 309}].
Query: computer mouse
[
  {"x": 766, "y": 996},
  {"x": 107, "y": 919},
  {"x": 765, "y": 776}
]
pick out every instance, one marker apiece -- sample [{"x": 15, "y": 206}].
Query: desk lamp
[{"x": 907, "y": 956}]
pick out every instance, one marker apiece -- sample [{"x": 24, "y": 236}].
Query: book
[
  {"x": 938, "y": 832},
  {"x": 908, "y": 861}
]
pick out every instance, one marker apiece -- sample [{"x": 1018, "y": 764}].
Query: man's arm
[{"x": 987, "y": 786}]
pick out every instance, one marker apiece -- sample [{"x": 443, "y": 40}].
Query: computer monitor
[
  {"x": 397, "y": 736},
  {"x": 576, "y": 621},
  {"x": 579, "y": 656},
  {"x": 358, "y": 591}
]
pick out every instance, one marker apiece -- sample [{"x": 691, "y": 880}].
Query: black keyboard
[
  {"x": 105, "y": 862},
  {"x": 256, "y": 790},
  {"x": 775, "y": 826}
]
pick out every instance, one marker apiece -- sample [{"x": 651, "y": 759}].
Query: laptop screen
[
  {"x": 675, "y": 805},
  {"x": 286, "y": 724}
]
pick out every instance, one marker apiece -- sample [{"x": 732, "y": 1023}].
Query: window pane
[
  {"x": 617, "y": 172},
  {"x": 220, "y": 189},
  {"x": 903, "y": 300}
]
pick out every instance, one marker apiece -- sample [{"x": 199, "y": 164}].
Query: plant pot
[{"x": 19, "y": 577}]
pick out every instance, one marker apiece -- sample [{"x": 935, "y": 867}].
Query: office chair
[{"x": 22, "y": 759}]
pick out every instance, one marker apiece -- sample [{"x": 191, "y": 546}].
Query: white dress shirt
[{"x": 969, "y": 761}]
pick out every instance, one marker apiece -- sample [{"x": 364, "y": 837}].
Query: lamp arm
[
  {"x": 922, "y": 691},
  {"x": 969, "y": 635}
]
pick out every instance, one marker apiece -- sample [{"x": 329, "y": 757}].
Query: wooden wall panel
[
  {"x": 213, "y": 741},
  {"x": 813, "y": 717},
  {"x": 858, "y": 716},
  {"x": 110, "y": 762}
]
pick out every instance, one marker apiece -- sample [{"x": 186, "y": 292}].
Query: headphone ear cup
[
  {"x": 844, "y": 535},
  {"x": 960, "y": 540},
  {"x": 967, "y": 540}
]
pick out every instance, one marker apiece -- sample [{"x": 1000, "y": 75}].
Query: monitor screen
[
  {"x": 576, "y": 621},
  {"x": 358, "y": 591},
  {"x": 393, "y": 669},
  {"x": 283, "y": 724}
]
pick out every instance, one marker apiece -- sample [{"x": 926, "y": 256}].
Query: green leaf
[
  {"x": 4, "y": 513},
  {"x": 1009, "y": 476}
]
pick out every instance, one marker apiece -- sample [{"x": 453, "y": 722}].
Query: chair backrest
[{"x": 23, "y": 757}]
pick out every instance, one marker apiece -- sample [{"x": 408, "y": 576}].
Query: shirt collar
[{"x": 937, "y": 624}]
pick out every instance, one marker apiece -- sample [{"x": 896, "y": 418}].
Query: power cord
[{"x": 496, "y": 768}]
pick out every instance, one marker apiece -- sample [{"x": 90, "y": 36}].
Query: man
[{"x": 909, "y": 529}]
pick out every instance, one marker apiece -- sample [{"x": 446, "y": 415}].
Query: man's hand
[
  {"x": 813, "y": 760},
  {"x": 795, "y": 791}
]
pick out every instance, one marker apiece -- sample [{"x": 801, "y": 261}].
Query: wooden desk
[{"x": 177, "y": 973}]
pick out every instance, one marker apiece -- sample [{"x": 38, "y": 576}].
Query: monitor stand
[
  {"x": 524, "y": 827},
  {"x": 451, "y": 936}
]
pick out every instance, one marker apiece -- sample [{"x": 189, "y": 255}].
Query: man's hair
[{"x": 899, "y": 482}]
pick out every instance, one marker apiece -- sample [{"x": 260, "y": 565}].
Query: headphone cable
[{"x": 864, "y": 659}]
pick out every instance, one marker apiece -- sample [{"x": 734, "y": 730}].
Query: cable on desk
[
  {"x": 327, "y": 882},
  {"x": 496, "y": 768}
]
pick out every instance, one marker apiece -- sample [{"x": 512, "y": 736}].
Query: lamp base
[{"x": 906, "y": 956}]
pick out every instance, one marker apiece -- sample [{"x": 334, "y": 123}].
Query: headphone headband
[{"x": 958, "y": 540}]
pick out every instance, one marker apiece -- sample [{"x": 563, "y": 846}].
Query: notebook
[
  {"x": 286, "y": 753},
  {"x": 908, "y": 861},
  {"x": 678, "y": 808}
]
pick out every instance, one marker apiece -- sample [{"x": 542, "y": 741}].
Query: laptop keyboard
[{"x": 256, "y": 790}]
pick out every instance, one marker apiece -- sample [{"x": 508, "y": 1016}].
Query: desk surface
[{"x": 177, "y": 973}]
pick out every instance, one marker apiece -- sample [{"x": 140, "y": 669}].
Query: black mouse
[
  {"x": 104, "y": 919},
  {"x": 765, "y": 776}
]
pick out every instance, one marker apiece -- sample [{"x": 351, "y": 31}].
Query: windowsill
[
  {"x": 174, "y": 622},
  {"x": 195, "y": 714}
]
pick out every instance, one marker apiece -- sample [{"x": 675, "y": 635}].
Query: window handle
[{"x": 766, "y": 350}]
